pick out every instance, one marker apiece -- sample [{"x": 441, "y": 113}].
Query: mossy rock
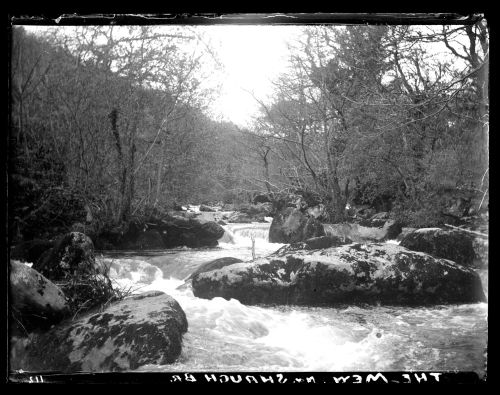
[
  {"x": 141, "y": 330},
  {"x": 350, "y": 274},
  {"x": 35, "y": 302},
  {"x": 292, "y": 225},
  {"x": 442, "y": 243}
]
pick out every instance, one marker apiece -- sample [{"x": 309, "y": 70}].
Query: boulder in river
[
  {"x": 177, "y": 232},
  {"x": 350, "y": 274},
  {"x": 144, "y": 329},
  {"x": 36, "y": 302},
  {"x": 442, "y": 243},
  {"x": 215, "y": 264},
  {"x": 392, "y": 228},
  {"x": 150, "y": 239},
  {"x": 173, "y": 229},
  {"x": 292, "y": 225},
  {"x": 73, "y": 251},
  {"x": 72, "y": 265}
]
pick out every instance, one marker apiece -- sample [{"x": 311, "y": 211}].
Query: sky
[{"x": 252, "y": 57}]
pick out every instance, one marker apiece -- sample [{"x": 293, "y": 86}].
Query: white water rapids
[{"x": 225, "y": 335}]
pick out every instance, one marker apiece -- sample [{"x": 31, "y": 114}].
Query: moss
[
  {"x": 363, "y": 269},
  {"x": 101, "y": 319}
]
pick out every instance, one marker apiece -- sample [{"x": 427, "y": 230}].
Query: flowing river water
[{"x": 225, "y": 335}]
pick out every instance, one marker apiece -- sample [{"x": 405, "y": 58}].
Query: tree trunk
[
  {"x": 266, "y": 172},
  {"x": 483, "y": 98},
  {"x": 337, "y": 204},
  {"x": 481, "y": 83},
  {"x": 113, "y": 116},
  {"x": 128, "y": 193},
  {"x": 159, "y": 175},
  {"x": 336, "y": 210}
]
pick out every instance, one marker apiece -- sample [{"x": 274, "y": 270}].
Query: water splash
[{"x": 225, "y": 335}]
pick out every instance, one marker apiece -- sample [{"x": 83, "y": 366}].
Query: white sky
[{"x": 252, "y": 56}]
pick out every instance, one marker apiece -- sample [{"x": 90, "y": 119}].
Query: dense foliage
[
  {"x": 107, "y": 127},
  {"x": 104, "y": 131},
  {"x": 395, "y": 117}
]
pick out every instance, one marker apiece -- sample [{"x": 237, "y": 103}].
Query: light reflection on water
[{"x": 228, "y": 336}]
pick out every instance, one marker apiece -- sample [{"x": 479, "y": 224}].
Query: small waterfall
[{"x": 247, "y": 231}]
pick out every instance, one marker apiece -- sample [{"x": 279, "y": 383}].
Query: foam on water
[{"x": 225, "y": 335}]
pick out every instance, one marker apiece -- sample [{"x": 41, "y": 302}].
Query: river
[{"x": 225, "y": 335}]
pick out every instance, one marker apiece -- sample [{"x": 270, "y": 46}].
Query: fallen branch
[
  {"x": 466, "y": 230},
  {"x": 482, "y": 200}
]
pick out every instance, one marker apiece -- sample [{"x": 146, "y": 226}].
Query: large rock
[
  {"x": 214, "y": 265},
  {"x": 173, "y": 229},
  {"x": 146, "y": 329},
  {"x": 442, "y": 243},
  {"x": 72, "y": 252},
  {"x": 392, "y": 228},
  {"x": 72, "y": 265},
  {"x": 360, "y": 233},
  {"x": 35, "y": 301},
  {"x": 178, "y": 232},
  {"x": 292, "y": 225},
  {"x": 350, "y": 274},
  {"x": 150, "y": 240}
]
